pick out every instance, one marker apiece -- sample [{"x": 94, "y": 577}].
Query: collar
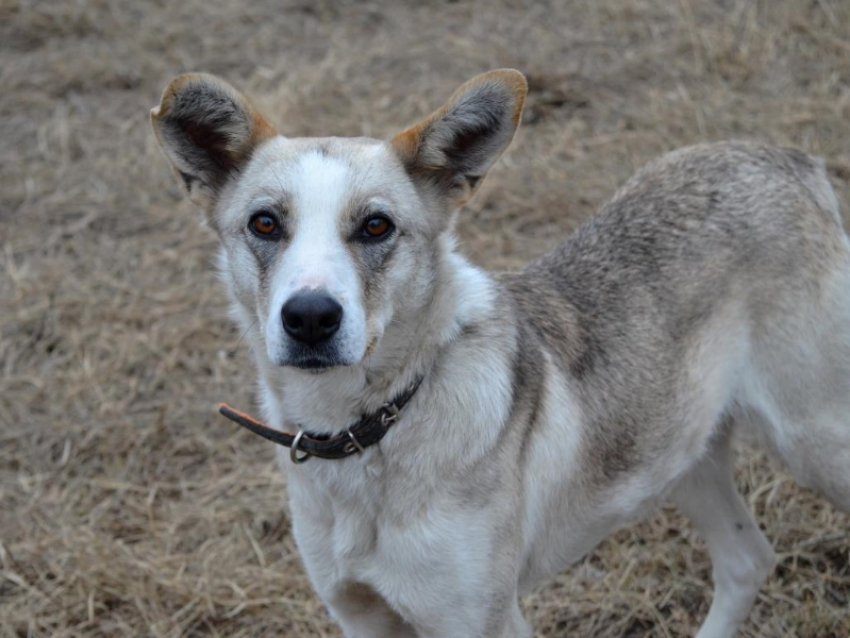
[{"x": 370, "y": 429}]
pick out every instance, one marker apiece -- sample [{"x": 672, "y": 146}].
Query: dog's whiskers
[{"x": 245, "y": 332}]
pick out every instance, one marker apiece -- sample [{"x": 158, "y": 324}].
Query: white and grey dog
[{"x": 544, "y": 409}]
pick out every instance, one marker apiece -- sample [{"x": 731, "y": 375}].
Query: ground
[{"x": 127, "y": 506}]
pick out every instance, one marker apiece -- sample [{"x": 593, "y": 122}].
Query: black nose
[{"x": 311, "y": 317}]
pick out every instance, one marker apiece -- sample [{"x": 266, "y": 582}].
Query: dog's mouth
[
  {"x": 316, "y": 365},
  {"x": 316, "y": 360}
]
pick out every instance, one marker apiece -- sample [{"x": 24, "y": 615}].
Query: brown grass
[{"x": 127, "y": 507}]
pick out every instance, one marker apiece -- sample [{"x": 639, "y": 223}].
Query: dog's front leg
[
  {"x": 362, "y": 613},
  {"x": 435, "y": 612},
  {"x": 502, "y": 621},
  {"x": 456, "y": 579}
]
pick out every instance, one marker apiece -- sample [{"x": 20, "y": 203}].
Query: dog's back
[{"x": 696, "y": 294}]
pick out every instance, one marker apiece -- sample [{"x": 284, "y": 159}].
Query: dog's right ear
[{"x": 208, "y": 130}]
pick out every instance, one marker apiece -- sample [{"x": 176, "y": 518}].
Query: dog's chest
[
  {"x": 338, "y": 508},
  {"x": 388, "y": 534}
]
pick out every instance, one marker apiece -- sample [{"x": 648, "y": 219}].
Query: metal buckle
[
  {"x": 354, "y": 445},
  {"x": 390, "y": 414},
  {"x": 293, "y": 451}
]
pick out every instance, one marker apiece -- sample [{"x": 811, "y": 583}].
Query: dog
[{"x": 476, "y": 433}]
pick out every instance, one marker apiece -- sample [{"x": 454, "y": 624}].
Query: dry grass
[{"x": 126, "y": 507}]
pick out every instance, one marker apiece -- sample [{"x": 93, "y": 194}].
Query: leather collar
[{"x": 370, "y": 429}]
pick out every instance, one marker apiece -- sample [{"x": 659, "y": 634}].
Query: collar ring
[
  {"x": 354, "y": 445},
  {"x": 390, "y": 414},
  {"x": 293, "y": 451}
]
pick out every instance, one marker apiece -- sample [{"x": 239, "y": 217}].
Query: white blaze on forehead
[{"x": 319, "y": 190}]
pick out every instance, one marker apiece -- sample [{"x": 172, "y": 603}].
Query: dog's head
[{"x": 325, "y": 239}]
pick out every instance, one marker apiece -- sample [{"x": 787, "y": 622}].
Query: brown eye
[
  {"x": 264, "y": 225},
  {"x": 376, "y": 227}
]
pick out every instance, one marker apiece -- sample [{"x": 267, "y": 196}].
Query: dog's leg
[
  {"x": 505, "y": 621},
  {"x": 740, "y": 554},
  {"x": 817, "y": 448},
  {"x": 819, "y": 458},
  {"x": 373, "y": 623},
  {"x": 362, "y": 613},
  {"x": 805, "y": 411},
  {"x": 517, "y": 625}
]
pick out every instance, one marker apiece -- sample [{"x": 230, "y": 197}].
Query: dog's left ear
[
  {"x": 454, "y": 147},
  {"x": 208, "y": 130}
]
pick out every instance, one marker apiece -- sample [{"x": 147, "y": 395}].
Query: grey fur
[{"x": 622, "y": 299}]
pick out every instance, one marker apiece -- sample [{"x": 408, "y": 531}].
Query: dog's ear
[
  {"x": 454, "y": 147},
  {"x": 208, "y": 131}
]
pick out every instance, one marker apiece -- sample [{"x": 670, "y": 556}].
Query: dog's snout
[{"x": 311, "y": 317}]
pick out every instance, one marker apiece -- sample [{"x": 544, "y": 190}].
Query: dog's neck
[{"x": 330, "y": 401}]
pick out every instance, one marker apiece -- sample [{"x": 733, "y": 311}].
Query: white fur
[
  {"x": 380, "y": 518},
  {"x": 317, "y": 259}
]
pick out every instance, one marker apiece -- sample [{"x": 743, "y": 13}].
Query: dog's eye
[
  {"x": 376, "y": 227},
  {"x": 264, "y": 225}
]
